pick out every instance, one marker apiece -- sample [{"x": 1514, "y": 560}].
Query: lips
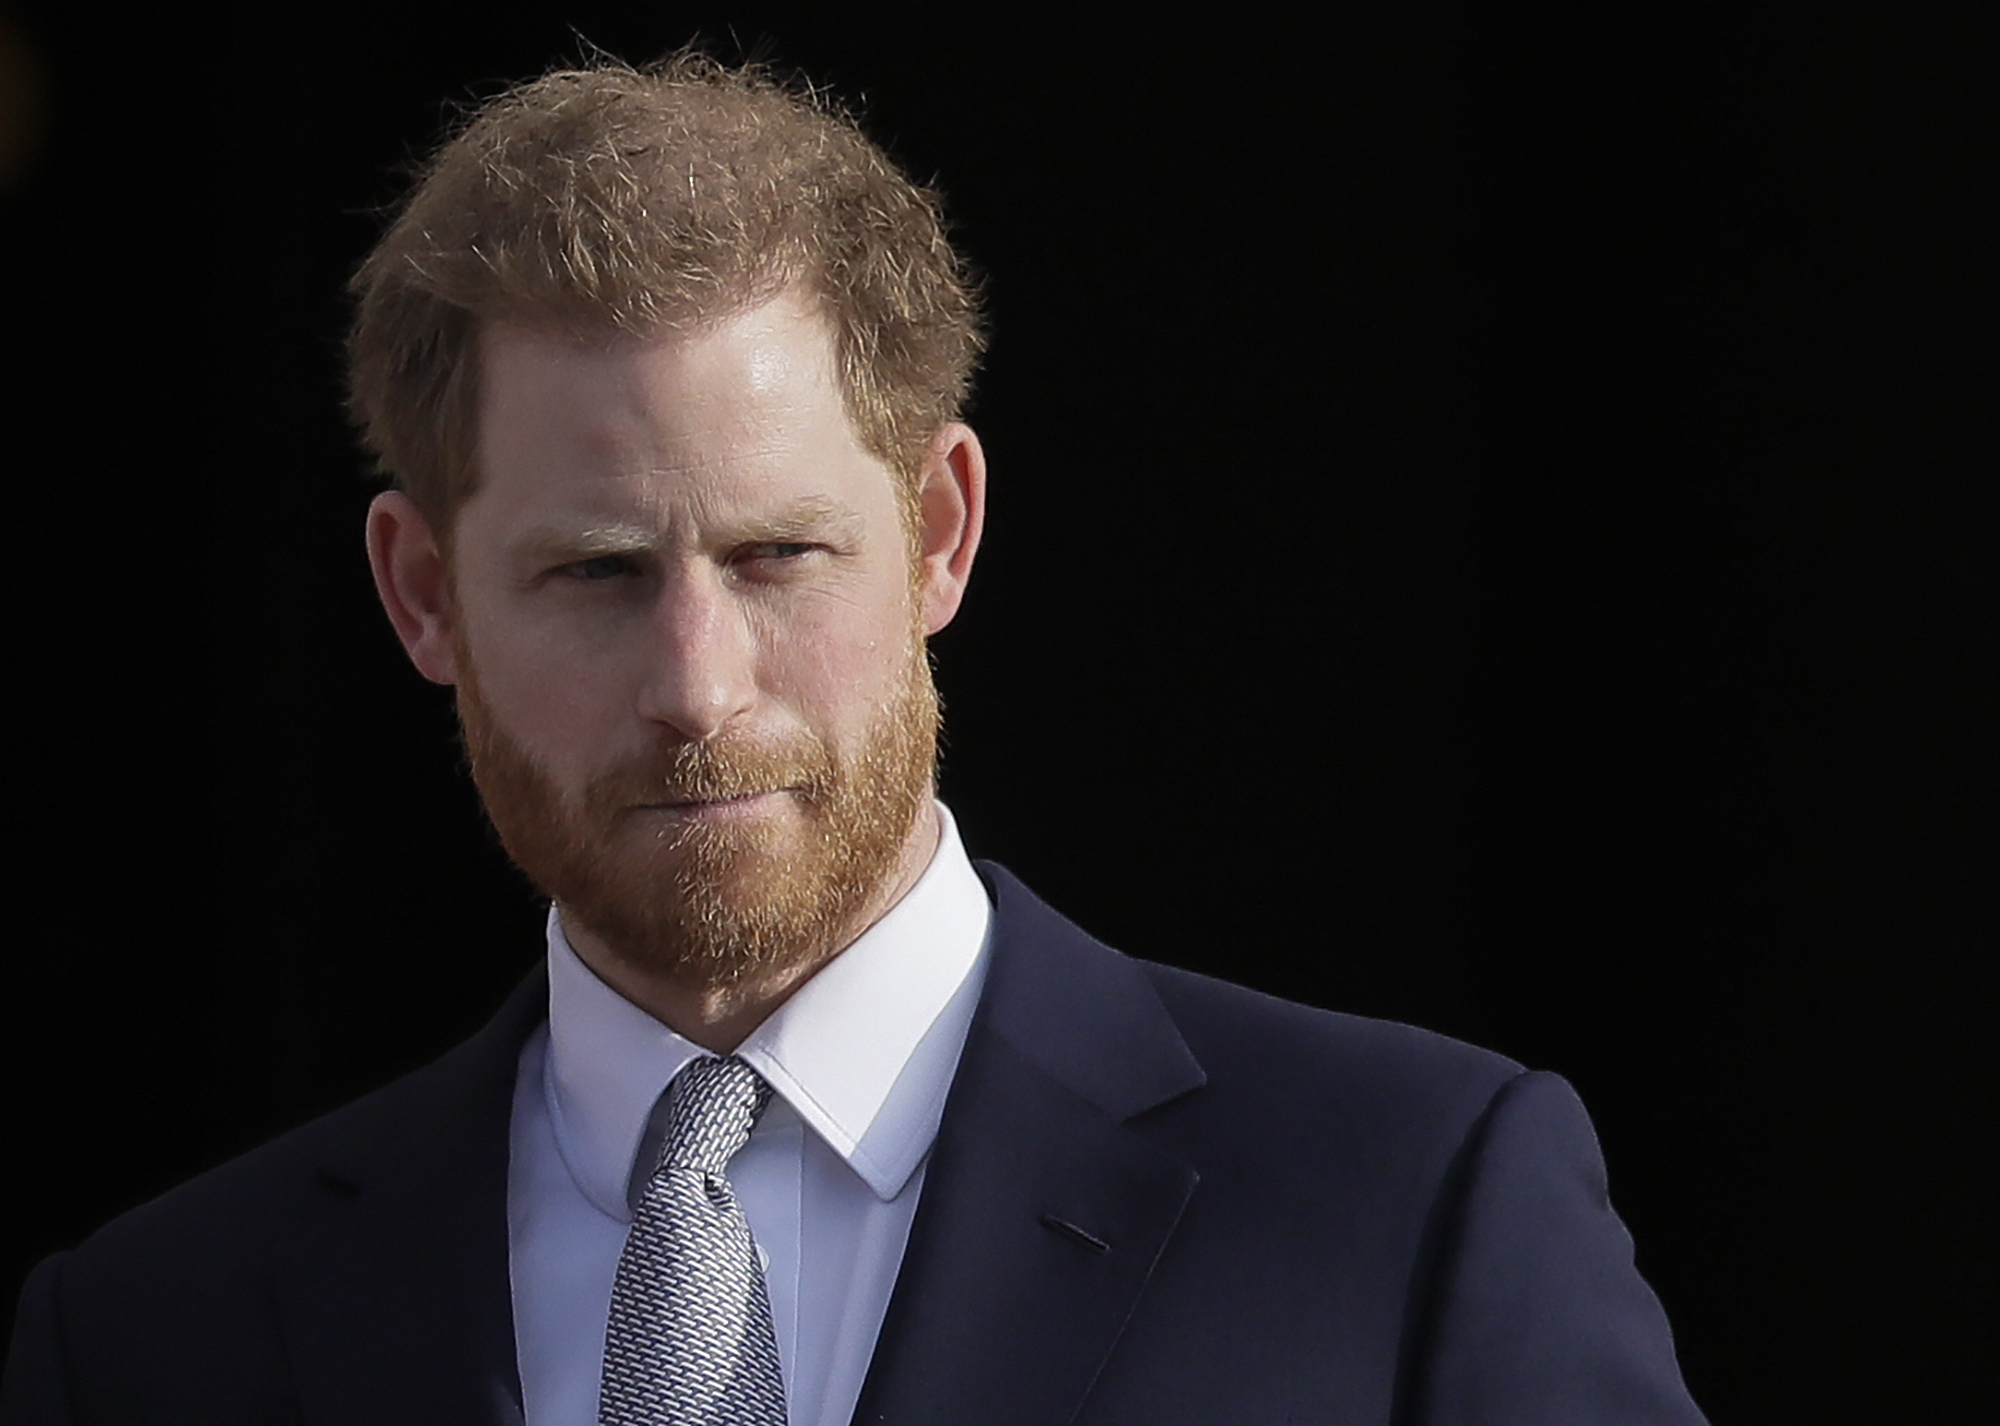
[
  {"x": 709, "y": 806},
  {"x": 704, "y": 779},
  {"x": 723, "y": 799}
]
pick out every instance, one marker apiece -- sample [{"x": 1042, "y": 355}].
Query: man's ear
[
  {"x": 415, "y": 584},
  {"x": 951, "y": 514}
]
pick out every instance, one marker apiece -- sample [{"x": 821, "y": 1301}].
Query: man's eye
[
  {"x": 600, "y": 567},
  {"x": 779, "y": 550}
]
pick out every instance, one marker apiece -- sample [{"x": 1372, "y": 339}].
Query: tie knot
[{"x": 711, "y": 1107}]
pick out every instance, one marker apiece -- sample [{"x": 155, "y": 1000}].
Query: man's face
[{"x": 687, "y": 638}]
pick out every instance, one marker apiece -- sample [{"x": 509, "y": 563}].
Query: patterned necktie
[{"x": 689, "y": 1341}]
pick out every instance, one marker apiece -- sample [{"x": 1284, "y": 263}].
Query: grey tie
[{"x": 689, "y": 1342}]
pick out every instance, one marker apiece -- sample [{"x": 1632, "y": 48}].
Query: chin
[{"x": 732, "y": 903}]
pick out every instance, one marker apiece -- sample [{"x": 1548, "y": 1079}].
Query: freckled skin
[{"x": 682, "y": 581}]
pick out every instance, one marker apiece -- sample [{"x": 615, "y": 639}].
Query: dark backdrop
[{"x": 1486, "y": 531}]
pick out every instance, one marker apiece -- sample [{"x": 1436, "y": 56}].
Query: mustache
[{"x": 712, "y": 772}]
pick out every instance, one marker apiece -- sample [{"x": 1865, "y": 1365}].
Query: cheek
[
  {"x": 561, "y": 709},
  {"x": 841, "y": 664}
]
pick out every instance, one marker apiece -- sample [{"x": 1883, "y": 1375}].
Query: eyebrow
[
  {"x": 809, "y": 515},
  {"x": 541, "y": 542}
]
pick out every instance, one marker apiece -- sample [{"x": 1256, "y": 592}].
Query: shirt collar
[{"x": 863, "y": 1052}]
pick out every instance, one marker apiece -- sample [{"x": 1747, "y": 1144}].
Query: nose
[{"x": 702, "y": 671}]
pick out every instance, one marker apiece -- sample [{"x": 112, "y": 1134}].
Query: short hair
[{"x": 619, "y": 200}]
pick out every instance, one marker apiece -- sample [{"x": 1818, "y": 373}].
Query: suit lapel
[
  {"x": 1043, "y": 1210},
  {"x": 402, "y": 1310},
  {"x": 1042, "y": 1215}
]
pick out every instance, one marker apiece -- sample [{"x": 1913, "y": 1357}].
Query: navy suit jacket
[{"x": 1154, "y": 1199}]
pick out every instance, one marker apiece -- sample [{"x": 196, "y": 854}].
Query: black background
[{"x": 1487, "y": 530}]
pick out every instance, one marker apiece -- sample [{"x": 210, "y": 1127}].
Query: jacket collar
[
  {"x": 1044, "y": 1210},
  {"x": 409, "y": 1273}
]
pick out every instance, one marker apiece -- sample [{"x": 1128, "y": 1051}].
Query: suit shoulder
[
  {"x": 1232, "y": 1027},
  {"x": 1093, "y": 1013},
  {"x": 260, "y": 1198},
  {"x": 252, "y": 1201}
]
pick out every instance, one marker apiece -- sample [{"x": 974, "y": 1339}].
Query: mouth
[{"x": 704, "y": 808}]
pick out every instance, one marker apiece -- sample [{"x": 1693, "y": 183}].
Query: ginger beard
[{"x": 716, "y": 905}]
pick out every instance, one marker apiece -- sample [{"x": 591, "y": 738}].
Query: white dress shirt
[{"x": 859, "y": 1059}]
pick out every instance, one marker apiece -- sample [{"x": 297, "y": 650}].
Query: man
[{"x": 666, "y": 368}]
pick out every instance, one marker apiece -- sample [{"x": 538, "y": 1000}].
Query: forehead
[
  {"x": 749, "y": 365},
  {"x": 749, "y": 400}
]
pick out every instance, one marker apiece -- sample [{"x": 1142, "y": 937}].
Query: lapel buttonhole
[{"x": 1081, "y": 1235}]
